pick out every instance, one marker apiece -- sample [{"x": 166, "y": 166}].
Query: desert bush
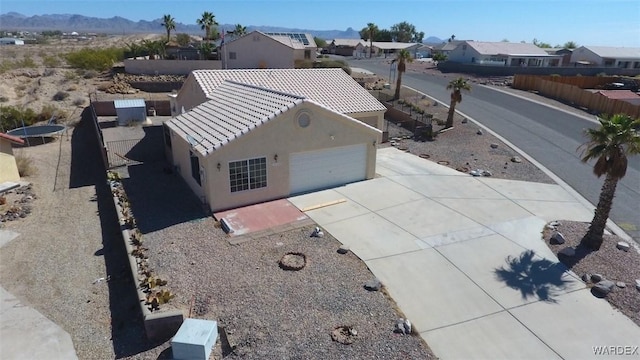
[
  {"x": 51, "y": 61},
  {"x": 72, "y": 88},
  {"x": 90, "y": 74},
  {"x": 25, "y": 164},
  {"x": 70, "y": 75},
  {"x": 21, "y": 87},
  {"x": 26, "y": 62},
  {"x": 48, "y": 111},
  {"x": 48, "y": 72},
  {"x": 12, "y": 117},
  {"x": 95, "y": 59},
  {"x": 60, "y": 95},
  {"x": 79, "y": 101},
  {"x": 4, "y": 99}
]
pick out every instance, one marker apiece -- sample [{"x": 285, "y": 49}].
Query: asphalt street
[{"x": 550, "y": 136}]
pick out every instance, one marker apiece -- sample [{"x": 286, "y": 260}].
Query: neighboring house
[
  {"x": 623, "y": 95},
  {"x": 331, "y": 87},
  {"x": 566, "y": 54},
  {"x": 11, "y": 41},
  {"x": 502, "y": 54},
  {"x": 258, "y": 50},
  {"x": 606, "y": 56},
  {"x": 445, "y": 48},
  {"x": 349, "y": 47},
  {"x": 247, "y": 144},
  {"x": 8, "y": 166},
  {"x": 388, "y": 47}
]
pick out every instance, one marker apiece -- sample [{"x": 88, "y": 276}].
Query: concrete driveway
[{"x": 464, "y": 260}]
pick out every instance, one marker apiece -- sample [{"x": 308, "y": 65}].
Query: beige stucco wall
[
  {"x": 189, "y": 96},
  {"x": 8, "y": 167},
  {"x": 256, "y": 51},
  {"x": 281, "y": 136},
  {"x": 371, "y": 118},
  {"x": 169, "y": 67}
]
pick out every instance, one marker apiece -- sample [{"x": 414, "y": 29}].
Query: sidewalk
[{"x": 464, "y": 260}]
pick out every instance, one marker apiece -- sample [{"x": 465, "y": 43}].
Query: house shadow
[
  {"x": 159, "y": 198},
  {"x": 533, "y": 277},
  {"x": 150, "y": 148},
  {"x": 87, "y": 167},
  {"x": 127, "y": 325}
]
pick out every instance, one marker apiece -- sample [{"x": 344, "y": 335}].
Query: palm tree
[
  {"x": 169, "y": 23},
  {"x": 402, "y": 58},
  {"x": 609, "y": 145},
  {"x": 457, "y": 85},
  {"x": 206, "y": 22},
  {"x": 372, "y": 30},
  {"x": 239, "y": 31}
]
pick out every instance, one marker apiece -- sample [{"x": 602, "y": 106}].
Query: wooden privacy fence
[{"x": 575, "y": 95}]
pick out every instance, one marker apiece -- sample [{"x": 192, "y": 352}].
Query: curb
[{"x": 610, "y": 224}]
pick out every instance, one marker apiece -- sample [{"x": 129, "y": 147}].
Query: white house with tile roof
[
  {"x": 607, "y": 56},
  {"x": 330, "y": 87},
  {"x": 502, "y": 54},
  {"x": 247, "y": 144},
  {"x": 257, "y": 50}
]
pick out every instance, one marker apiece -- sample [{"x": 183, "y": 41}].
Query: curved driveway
[{"x": 549, "y": 135}]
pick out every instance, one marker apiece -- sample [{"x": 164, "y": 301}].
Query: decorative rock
[
  {"x": 343, "y": 249},
  {"x": 486, "y": 173},
  {"x": 476, "y": 172},
  {"x": 557, "y": 239},
  {"x": 407, "y": 326},
  {"x": 623, "y": 246},
  {"x": 604, "y": 287},
  {"x": 595, "y": 278},
  {"x": 568, "y": 252},
  {"x": 638, "y": 284},
  {"x": 516, "y": 159},
  {"x": 464, "y": 121},
  {"x": 479, "y": 132},
  {"x": 494, "y": 146},
  {"x": 317, "y": 232},
  {"x": 550, "y": 227},
  {"x": 555, "y": 223},
  {"x": 373, "y": 285},
  {"x": 400, "y": 326},
  {"x": 586, "y": 277},
  {"x": 621, "y": 285}
]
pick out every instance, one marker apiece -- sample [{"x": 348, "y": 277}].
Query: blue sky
[{"x": 588, "y": 22}]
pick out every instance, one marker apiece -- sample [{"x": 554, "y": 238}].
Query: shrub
[
  {"x": 21, "y": 87},
  {"x": 60, "y": 95},
  {"x": 48, "y": 72},
  {"x": 4, "y": 99},
  {"x": 48, "y": 111},
  {"x": 27, "y": 62},
  {"x": 25, "y": 164},
  {"x": 12, "y": 117},
  {"x": 79, "y": 101},
  {"x": 95, "y": 59},
  {"x": 51, "y": 61},
  {"x": 90, "y": 74},
  {"x": 70, "y": 75}
]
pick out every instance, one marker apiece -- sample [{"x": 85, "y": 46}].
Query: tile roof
[
  {"x": 349, "y": 42},
  {"x": 234, "y": 110},
  {"x": 615, "y": 52},
  {"x": 331, "y": 87},
  {"x": 292, "y": 43},
  {"x": 13, "y": 139},
  {"x": 506, "y": 48}
]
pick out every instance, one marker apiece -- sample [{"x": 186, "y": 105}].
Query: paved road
[{"x": 548, "y": 135}]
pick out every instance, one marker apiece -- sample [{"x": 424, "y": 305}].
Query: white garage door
[{"x": 326, "y": 168}]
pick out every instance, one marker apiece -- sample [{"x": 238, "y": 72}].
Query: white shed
[{"x": 130, "y": 111}]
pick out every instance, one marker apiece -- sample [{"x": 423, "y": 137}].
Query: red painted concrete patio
[{"x": 259, "y": 217}]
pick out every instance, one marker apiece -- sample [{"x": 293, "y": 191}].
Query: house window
[
  {"x": 248, "y": 174},
  {"x": 307, "y": 54},
  {"x": 636, "y": 65},
  {"x": 232, "y": 55},
  {"x": 195, "y": 167}
]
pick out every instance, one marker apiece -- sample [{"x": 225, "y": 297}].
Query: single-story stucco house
[
  {"x": 607, "y": 56},
  {"x": 502, "y": 54},
  {"x": 8, "y": 166},
  {"x": 246, "y": 143},
  {"x": 258, "y": 50}
]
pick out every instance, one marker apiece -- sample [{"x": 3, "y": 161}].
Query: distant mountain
[
  {"x": 433, "y": 40},
  {"x": 13, "y": 21}
]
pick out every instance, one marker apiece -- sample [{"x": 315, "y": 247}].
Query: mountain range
[{"x": 13, "y": 21}]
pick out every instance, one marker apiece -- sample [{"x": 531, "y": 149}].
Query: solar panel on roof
[{"x": 295, "y": 36}]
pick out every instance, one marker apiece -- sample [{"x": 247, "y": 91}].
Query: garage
[{"x": 321, "y": 169}]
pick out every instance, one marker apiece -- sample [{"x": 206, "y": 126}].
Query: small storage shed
[{"x": 130, "y": 111}]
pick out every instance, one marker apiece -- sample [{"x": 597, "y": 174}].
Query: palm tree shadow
[{"x": 533, "y": 277}]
